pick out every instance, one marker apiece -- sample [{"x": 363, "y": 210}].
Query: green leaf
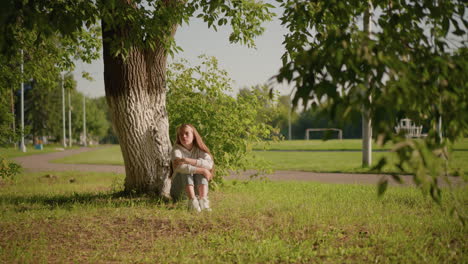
[
  {"x": 380, "y": 164},
  {"x": 382, "y": 186},
  {"x": 445, "y": 25},
  {"x": 397, "y": 178}
]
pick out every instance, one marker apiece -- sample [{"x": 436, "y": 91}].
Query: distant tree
[
  {"x": 283, "y": 115},
  {"x": 43, "y": 57},
  {"x": 43, "y": 110},
  {"x": 97, "y": 124},
  {"x": 266, "y": 100},
  {"x": 109, "y": 136},
  {"x": 8, "y": 131},
  {"x": 43, "y": 106}
]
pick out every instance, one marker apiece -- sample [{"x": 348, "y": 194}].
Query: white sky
[{"x": 246, "y": 66}]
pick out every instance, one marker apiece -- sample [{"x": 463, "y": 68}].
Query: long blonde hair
[{"x": 197, "y": 141}]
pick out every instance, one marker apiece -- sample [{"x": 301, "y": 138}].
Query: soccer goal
[{"x": 308, "y": 130}]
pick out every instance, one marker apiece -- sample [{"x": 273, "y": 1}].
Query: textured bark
[{"x": 136, "y": 95}]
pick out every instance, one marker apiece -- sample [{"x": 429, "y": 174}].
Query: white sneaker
[
  {"x": 204, "y": 204},
  {"x": 193, "y": 205}
]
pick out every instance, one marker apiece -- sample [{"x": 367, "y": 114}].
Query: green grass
[
  {"x": 346, "y": 144},
  {"x": 111, "y": 155},
  {"x": 314, "y": 144},
  {"x": 50, "y": 219},
  {"x": 341, "y": 161},
  {"x": 461, "y": 144},
  {"x": 323, "y": 161},
  {"x": 14, "y": 152}
]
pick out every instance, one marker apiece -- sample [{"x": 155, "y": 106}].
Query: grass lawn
[
  {"x": 109, "y": 156},
  {"x": 75, "y": 217},
  {"x": 14, "y": 152},
  {"x": 314, "y": 144},
  {"x": 346, "y": 144},
  {"x": 334, "y": 161},
  {"x": 341, "y": 161}
]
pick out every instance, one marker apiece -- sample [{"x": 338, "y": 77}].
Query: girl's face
[{"x": 186, "y": 137}]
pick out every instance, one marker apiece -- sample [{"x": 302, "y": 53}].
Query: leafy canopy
[
  {"x": 149, "y": 23},
  {"x": 412, "y": 64},
  {"x": 53, "y": 34}
]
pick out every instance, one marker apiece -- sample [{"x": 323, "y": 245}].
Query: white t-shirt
[{"x": 204, "y": 159}]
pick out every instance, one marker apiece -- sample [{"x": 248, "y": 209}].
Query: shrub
[
  {"x": 198, "y": 95},
  {"x": 8, "y": 169}
]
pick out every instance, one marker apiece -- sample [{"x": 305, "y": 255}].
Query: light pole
[
  {"x": 69, "y": 119},
  {"x": 84, "y": 121},
  {"x": 439, "y": 128},
  {"x": 85, "y": 137},
  {"x": 289, "y": 114},
  {"x": 22, "y": 146},
  {"x": 63, "y": 112}
]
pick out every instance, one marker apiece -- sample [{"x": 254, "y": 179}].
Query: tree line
[
  {"x": 43, "y": 112},
  {"x": 280, "y": 112},
  {"x": 43, "y": 117}
]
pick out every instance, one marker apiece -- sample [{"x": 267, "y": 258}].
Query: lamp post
[
  {"x": 289, "y": 115},
  {"x": 85, "y": 137},
  {"x": 22, "y": 146},
  {"x": 84, "y": 121},
  {"x": 63, "y": 112},
  {"x": 69, "y": 119}
]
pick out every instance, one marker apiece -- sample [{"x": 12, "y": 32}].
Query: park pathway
[{"x": 41, "y": 162}]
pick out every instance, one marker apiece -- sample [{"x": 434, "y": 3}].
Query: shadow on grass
[
  {"x": 319, "y": 150},
  {"x": 24, "y": 203}
]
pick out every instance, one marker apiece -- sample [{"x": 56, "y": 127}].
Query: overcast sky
[{"x": 246, "y": 66}]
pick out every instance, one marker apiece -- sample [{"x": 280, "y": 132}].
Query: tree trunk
[{"x": 136, "y": 94}]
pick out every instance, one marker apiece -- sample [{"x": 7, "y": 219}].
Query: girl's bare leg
[
  {"x": 190, "y": 191},
  {"x": 202, "y": 191}
]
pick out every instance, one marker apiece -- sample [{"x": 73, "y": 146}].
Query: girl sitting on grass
[{"x": 192, "y": 160}]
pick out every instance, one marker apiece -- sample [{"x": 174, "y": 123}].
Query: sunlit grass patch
[
  {"x": 110, "y": 155},
  {"x": 333, "y": 145},
  {"x": 321, "y": 161},
  {"x": 55, "y": 220},
  {"x": 342, "y": 161},
  {"x": 315, "y": 144},
  {"x": 10, "y": 152},
  {"x": 15, "y": 152}
]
